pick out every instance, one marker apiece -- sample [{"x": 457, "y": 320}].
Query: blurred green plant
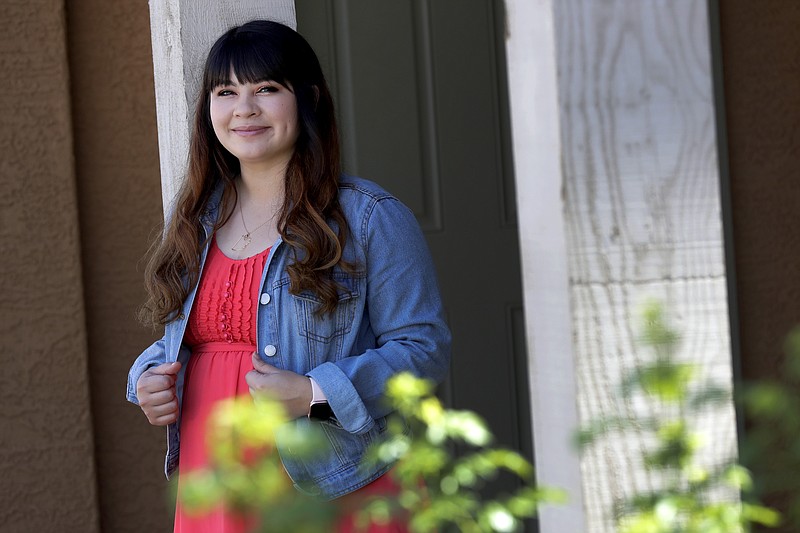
[
  {"x": 437, "y": 487},
  {"x": 684, "y": 501},
  {"x": 771, "y": 446},
  {"x": 441, "y": 488},
  {"x": 246, "y": 476}
]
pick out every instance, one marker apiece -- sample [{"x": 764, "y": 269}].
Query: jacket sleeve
[
  {"x": 154, "y": 355},
  {"x": 405, "y": 313}
]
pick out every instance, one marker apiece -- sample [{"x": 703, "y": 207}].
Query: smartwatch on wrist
[{"x": 318, "y": 409}]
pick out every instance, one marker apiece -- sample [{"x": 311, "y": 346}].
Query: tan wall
[
  {"x": 761, "y": 60},
  {"x": 119, "y": 194},
  {"x": 80, "y": 194},
  {"x": 47, "y": 474}
]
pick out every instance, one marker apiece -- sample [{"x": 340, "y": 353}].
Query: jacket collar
[{"x": 211, "y": 210}]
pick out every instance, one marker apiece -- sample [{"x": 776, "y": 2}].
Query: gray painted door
[{"x": 420, "y": 88}]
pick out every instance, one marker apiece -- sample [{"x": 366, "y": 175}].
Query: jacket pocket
[{"x": 326, "y": 327}]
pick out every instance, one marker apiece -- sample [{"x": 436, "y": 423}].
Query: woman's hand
[
  {"x": 290, "y": 388},
  {"x": 155, "y": 391}
]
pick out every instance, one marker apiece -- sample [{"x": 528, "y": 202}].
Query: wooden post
[
  {"x": 618, "y": 198},
  {"x": 535, "y": 121},
  {"x": 182, "y": 32}
]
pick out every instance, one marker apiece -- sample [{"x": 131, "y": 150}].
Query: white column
[
  {"x": 618, "y": 197},
  {"x": 535, "y": 121},
  {"x": 182, "y": 33}
]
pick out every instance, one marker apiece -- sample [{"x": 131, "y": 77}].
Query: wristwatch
[{"x": 319, "y": 408}]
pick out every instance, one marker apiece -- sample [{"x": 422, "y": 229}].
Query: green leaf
[{"x": 761, "y": 515}]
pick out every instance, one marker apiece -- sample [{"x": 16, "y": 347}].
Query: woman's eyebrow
[{"x": 254, "y": 82}]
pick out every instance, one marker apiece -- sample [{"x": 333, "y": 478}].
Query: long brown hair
[{"x": 257, "y": 51}]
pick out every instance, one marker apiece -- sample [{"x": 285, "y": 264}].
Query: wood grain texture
[
  {"x": 642, "y": 214},
  {"x": 172, "y": 105}
]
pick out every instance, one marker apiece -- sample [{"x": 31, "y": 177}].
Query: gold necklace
[{"x": 245, "y": 239}]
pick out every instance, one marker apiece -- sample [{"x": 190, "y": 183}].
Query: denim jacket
[{"x": 389, "y": 319}]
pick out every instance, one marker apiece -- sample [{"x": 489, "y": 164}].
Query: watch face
[{"x": 320, "y": 411}]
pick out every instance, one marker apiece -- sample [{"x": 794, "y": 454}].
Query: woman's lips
[{"x": 247, "y": 131}]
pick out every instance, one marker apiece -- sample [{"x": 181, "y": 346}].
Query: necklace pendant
[{"x": 245, "y": 240}]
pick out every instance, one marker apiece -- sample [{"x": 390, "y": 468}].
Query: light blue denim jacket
[{"x": 389, "y": 319}]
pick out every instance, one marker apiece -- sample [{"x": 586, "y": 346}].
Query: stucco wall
[
  {"x": 80, "y": 193},
  {"x": 119, "y": 195},
  {"x": 761, "y": 61},
  {"x": 47, "y": 475}
]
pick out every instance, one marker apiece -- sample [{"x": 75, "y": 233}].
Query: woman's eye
[
  {"x": 224, "y": 92},
  {"x": 267, "y": 89}
]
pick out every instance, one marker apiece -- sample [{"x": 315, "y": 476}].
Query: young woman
[{"x": 277, "y": 274}]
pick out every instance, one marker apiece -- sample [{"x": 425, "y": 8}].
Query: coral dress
[{"x": 222, "y": 333}]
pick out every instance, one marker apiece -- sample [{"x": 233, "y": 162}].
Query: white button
[
  {"x": 265, "y": 298},
  {"x": 270, "y": 350}
]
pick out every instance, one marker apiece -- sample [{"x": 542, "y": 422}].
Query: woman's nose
[{"x": 245, "y": 107}]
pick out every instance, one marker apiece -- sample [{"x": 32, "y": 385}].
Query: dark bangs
[{"x": 252, "y": 56}]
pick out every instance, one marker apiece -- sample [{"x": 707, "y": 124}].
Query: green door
[{"x": 420, "y": 88}]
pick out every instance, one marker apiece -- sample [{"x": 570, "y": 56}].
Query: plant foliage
[
  {"x": 437, "y": 487},
  {"x": 246, "y": 476},
  {"x": 685, "y": 502},
  {"x": 772, "y": 444},
  {"x": 442, "y": 488}
]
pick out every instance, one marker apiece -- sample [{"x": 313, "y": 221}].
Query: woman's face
[{"x": 256, "y": 122}]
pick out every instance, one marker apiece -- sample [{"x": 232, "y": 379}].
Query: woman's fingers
[
  {"x": 260, "y": 366},
  {"x": 163, "y": 414},
  {"x": 157, "y": 399},
  {"x": 164, "y": 420}
]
